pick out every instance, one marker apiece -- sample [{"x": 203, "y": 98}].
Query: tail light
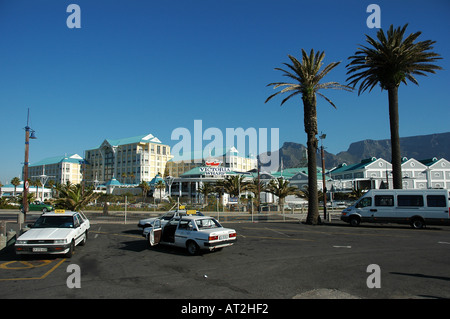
[
  {"x": 232, "y": 235},
  {"x": 213, "y": 238}
]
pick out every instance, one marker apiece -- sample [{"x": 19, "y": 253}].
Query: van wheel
[
  {"x": 354, "y": 221},
  {"x": 417, "y": 223}
]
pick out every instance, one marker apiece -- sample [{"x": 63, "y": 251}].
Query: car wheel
[
  {"x": 69, "y": 254},
  {"x": 192, "y": 248},
  {"x": 44, "y": 210},
  {"x": 354, "y": 221},
  {"x": 83, "y": 242}
]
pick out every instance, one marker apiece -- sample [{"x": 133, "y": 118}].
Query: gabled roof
[
  {"x": 148, "y": 138},
  {"x": 345, "y": 168},
  {"x": 74, "y": 158}
]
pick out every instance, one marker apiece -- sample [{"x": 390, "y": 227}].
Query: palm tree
[
  {"x": 280, "y": 187},
  {"x": 145, "y": 188},
  {"x": 160, "y": 185},
  {"x": 71, "y": 196},
  {"x": 16, "y": 182},
  {"x": 389, "y": 62},
  {"x": 205, "y": 189},
  {"x": 232, "y": 185},
  {"x": 307, "y": 76}
]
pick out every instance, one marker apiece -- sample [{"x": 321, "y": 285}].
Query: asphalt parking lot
[{"x": 274, "y": 260}]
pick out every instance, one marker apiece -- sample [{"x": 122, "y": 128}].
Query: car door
[
  {"x": 182, "y": 232},
  {"x": 154, "y": 237},
  {"x": 77, "y": 229}
]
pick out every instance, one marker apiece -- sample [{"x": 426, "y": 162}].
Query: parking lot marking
[
  {"x": 115, "y": 234},
  {"x": 279, "y": 238},
  {"x": 278, "y": 232},
  {"x": 331, "y": 233},
  {"x": 24, "y": 264},
  {"x": 36, "y": 278}
]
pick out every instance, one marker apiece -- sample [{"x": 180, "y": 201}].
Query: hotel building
[
  {"x": 59, "y": 169},
  {"x": 128, "y": 160}
]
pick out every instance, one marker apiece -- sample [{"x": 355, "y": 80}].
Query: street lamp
[
  {"x": 29, "y": 134},
  {"x": 324, "y": 186}
]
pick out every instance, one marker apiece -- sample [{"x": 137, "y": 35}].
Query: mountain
[{"x": 418, "y": 147}]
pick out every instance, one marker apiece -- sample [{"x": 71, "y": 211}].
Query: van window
[
  {"x": 436, "y": 201},
  {"x": 364, "y": 202},
  {"x": 410, "y": 200},
  {"x": 384, "y": 200}
]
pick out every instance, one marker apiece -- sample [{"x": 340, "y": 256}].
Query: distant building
[
  {"x": 226, "y": 157},
  {"x": 373, "y": 173},
  {"x": 59, "y": 169},
  {"x": 128, "y": 160}
]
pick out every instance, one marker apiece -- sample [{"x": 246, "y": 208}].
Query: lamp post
[
  {"x": 29, "y": 134},
  {"x": 324, "y": 185}
]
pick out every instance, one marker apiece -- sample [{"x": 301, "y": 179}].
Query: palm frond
[{"x": 391, "y": 59}]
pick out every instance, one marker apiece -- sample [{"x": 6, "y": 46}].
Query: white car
[
  {"x": 192, "y": 232},
  {"x": 148, "y": 222},
  {"x": 57, "y": 232}
]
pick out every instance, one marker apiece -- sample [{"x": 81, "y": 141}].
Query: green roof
[
  {"x": 344, "y": 167},
  {"x": 74, "y": 158},
  {"x": 134, "y": 140}
]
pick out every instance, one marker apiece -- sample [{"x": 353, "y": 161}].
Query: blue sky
[{"x": 143, "y": 66}]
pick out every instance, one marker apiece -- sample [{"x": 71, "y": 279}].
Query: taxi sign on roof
[
  {"x": 191, "y": 212},
  {"x": 60, "y": 211}
]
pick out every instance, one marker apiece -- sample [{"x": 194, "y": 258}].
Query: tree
[
  {"x": 280, "y": 187},
  {"x": 205, "y": 189},
  {"x": 307, "y": 76},
  {"x": 71, "y": 197},
  {"x": 16, "y": 182},
  {"x": 144, "y": 187},
  {"x": 232, "y": 185},
  {"x": 160, "y": 185},
  {"x": 389, "y": 62}
]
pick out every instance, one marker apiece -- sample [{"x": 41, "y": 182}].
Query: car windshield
[
  {"x": 207, "y": 223},
  {"x": 54, "y": 222}
]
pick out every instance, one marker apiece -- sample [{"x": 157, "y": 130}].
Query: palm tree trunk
[
  {"x": 395, "y": 138},
  {"x": 310, "y": 119}
]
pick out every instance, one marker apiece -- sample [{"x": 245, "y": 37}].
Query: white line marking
[
  {"x": 278, "y": 232},
  {"x": 342, "y": 246}
]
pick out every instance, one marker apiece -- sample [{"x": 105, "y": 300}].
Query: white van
[{"x": 404, "y": 206}]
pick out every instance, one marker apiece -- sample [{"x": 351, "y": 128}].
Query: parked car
[
  {"x": 39, "y": 206},
  {"x": 195, "y": 233},
  {"x": 54, "y": 233},
  {"x": 148, "y": 222}
]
